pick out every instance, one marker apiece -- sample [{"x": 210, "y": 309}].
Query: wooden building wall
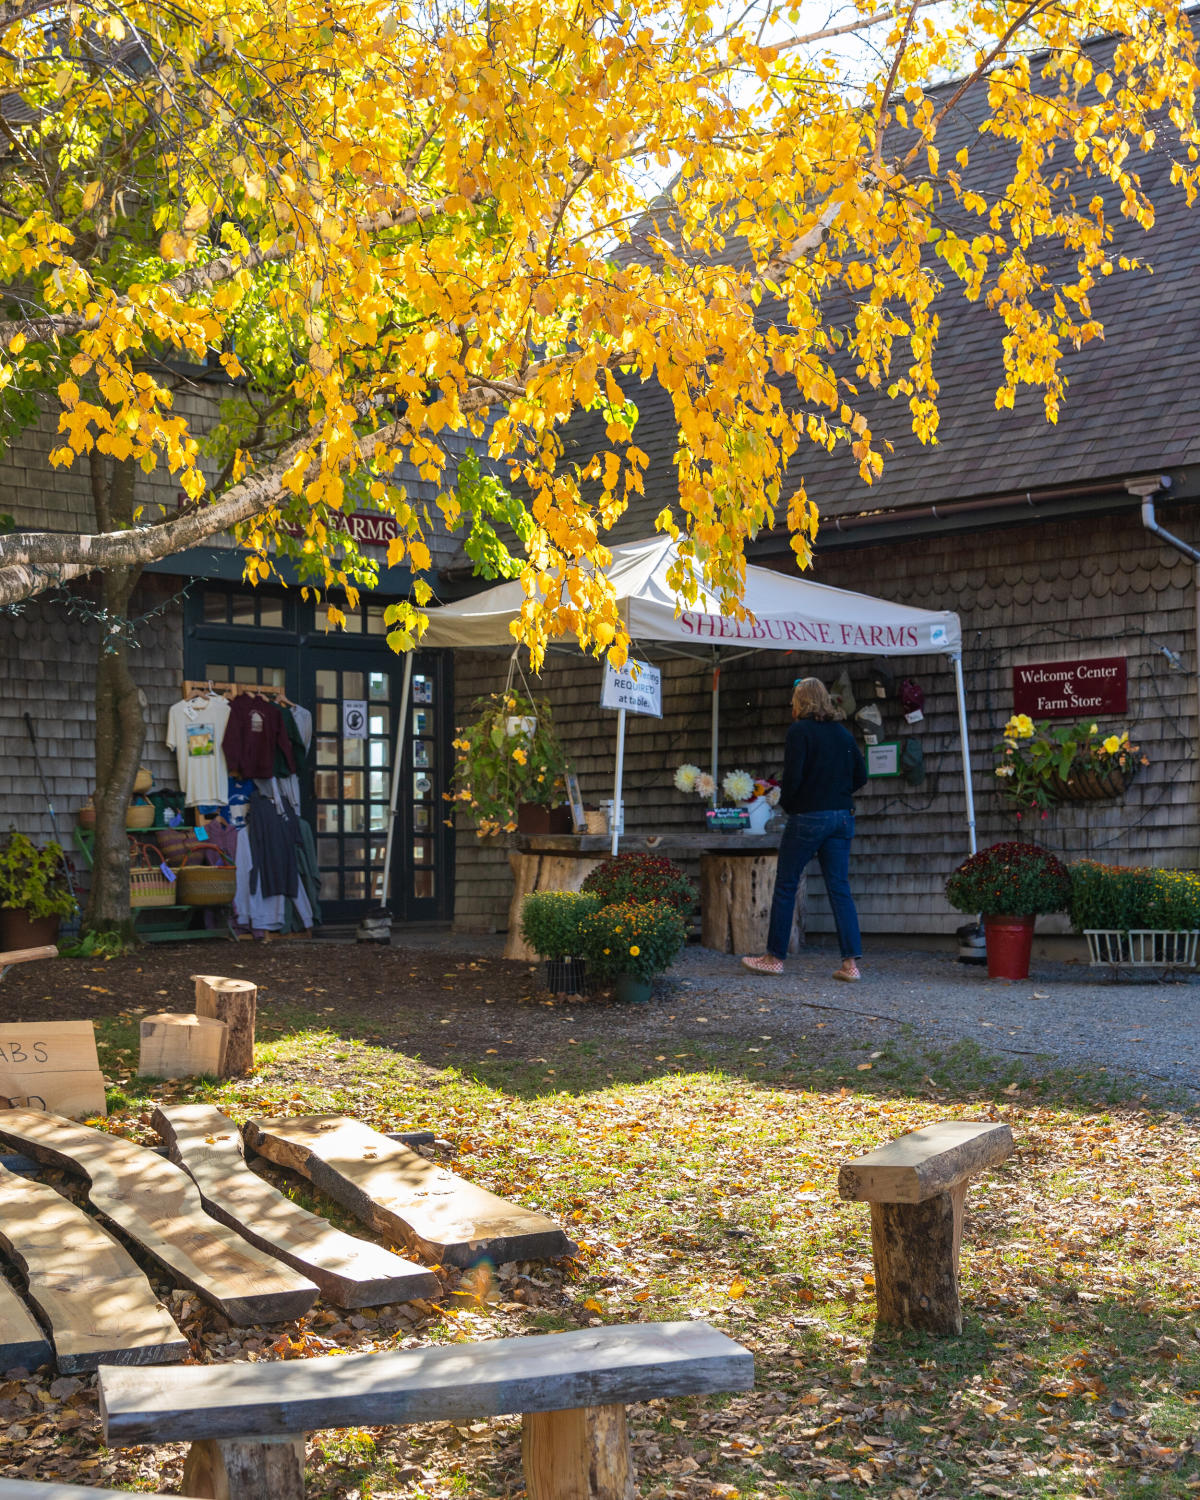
[{"x": 1052, "y": 592}]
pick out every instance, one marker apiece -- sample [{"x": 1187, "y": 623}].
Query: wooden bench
[
  {"x": 246, "y": 1422},
  {"x": 24, "y": 956},
  {"x": 916, "y": 1186}
]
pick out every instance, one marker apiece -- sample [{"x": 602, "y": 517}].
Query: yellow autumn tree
[{"x": 471, "y": 221}]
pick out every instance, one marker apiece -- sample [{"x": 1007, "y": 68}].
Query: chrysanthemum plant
[{"x": 1035, "y": 759}]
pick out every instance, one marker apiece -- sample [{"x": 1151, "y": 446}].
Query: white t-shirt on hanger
[{"x": 195, "y": 729}]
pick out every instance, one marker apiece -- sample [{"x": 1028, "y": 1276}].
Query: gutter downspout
[{"x": 1147, "y": 486}]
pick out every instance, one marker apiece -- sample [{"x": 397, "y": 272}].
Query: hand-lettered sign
[
  {"x": 51, "y": 1066},
  {"x": 1070, "y": 689}
]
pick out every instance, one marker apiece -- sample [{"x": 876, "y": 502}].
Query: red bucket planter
[{"x": 1009, "y": 946}]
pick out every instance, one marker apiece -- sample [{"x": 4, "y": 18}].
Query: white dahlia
[
  {"x": 738, "y": 786},
  {"x": 685, "y": 777}
]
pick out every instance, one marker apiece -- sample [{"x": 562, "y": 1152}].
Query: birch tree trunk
[{"x": 120, "y": 722}]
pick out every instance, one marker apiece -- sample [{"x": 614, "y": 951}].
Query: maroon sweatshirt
[{"x": 253, "y": 734}]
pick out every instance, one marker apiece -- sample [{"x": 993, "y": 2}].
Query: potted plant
[
  {"x": 550, "y": 924},
  {"x": 34, "y": 893},
  {"x": 630, "y": 942},
  {"x": 1009, "y": 885},
  {"x": 511, "y": 769},
  {"x": 1136, "y": 916},
  {"x": 1042, "y": 765},
  {"x": 641, "y": 878}
]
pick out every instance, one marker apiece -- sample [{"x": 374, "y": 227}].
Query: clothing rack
[{"x": 200, "y": 689}]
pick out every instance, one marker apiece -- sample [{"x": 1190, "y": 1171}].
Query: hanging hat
[
  {"x": 843, "y": 695},
  {"x": 884, "y": 677},
  {"x": 912, "y": 701},
  {"x": 912, "y": 762},
  {"x": 869, "y": 714}
]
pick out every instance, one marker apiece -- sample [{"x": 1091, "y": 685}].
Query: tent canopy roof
[{"x": 788, "y": 614}]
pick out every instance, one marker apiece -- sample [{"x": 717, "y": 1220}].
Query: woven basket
[
  {"x": 206, "y": 885},
  {"x": 148, "y": 886},
  {"x": 86, "y": 816},
  {"x": 142, "y": 782},
  {"x": 140, "y": 815}
]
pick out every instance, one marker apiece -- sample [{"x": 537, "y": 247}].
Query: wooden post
[
  {"x": 233, "y": 1001},
  {"x": 245, "y": 1469},
  {"x": 916, "y": 1247},
  {"x": 582, "y": 1454},
  {"x": 735, "y": 902}
]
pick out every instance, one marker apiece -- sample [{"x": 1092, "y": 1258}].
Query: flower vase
[
  {"x": 1009, "y": 946},
  {"x": 760, "y": 815}
]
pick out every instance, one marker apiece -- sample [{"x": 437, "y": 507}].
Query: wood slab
[
  {"x": 349, "y": 1271},
  {"x": 181, "y": 1046},
  {"x": 549, "y": 1372},
  {"x": 400, "y": 1194},
  {"x": 22, "y": 1342},
  {"x": 159, "y": 1207},
  {"x": 98, "y": 1305},
  {"x": 51, "y": 1065},
  {"x": 925, "y": 1162},
  {"x": 233, "y": 1001},
  {"x": 41, "y": 1489}
]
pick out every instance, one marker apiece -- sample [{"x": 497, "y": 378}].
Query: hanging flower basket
[{"x": 1092, "y": 785}]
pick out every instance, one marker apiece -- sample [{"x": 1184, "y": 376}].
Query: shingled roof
[{"x": 1133, "y": 402}]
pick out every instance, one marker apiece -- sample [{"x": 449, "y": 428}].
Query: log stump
[
  {"x": 541, "y": 872},
  {"x": 916, "y": 1187},
  {"x": 233, "y": 1001},
  {"x": 582, "y": 1454},
  {"x": 245, "y": 1469},
  {"x": 735, "y": 902}
]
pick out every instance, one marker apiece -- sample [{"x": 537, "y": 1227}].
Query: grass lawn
[{"x": 700, "y": 1181}]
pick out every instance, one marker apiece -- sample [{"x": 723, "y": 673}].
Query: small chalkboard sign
[{"x": 727, "y": 819}]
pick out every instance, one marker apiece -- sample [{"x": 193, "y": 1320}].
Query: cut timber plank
[
  {"x": 925, "y": 1162},
  {"x": 22, "y": 1342},
  {"x": 350, "y": 1272},
  {"x": 180, "y": 1046},
  {"x": 397, "y": 1192},
  {"x": 97, "y": 1303},
  {"x": 159, "y": 1207},
  {"x": 51, "y": 1065},
  {"x": 40, "y": 1489},
  {"x": 550, "y": 1372},
  {"x": 233, "y": 1001}
]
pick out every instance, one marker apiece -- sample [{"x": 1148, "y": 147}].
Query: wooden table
[{"x": 737, "y": 880}]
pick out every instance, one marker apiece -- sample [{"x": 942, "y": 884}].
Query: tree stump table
[
  {"x": 916, "y": 1186},
  {"x": 542, "y": 871},
  {"x": 736, "y": 888}
]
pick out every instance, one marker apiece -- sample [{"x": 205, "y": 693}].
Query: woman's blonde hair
[{"x": 811, "y": 700}]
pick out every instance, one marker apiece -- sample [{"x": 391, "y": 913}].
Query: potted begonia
[
  {"x": 34, "y": 893},
  {"x": 1042, "y": 765},
  {"x": 511, "y": 768},
  {"x": 1009, "y": 885}
]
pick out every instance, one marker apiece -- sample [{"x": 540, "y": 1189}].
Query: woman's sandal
[
  {"x": 764, "y": 963},
  {"x": 848, "y": 971}
]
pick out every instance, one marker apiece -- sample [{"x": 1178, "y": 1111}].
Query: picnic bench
[
  {"x": 246, "y": 1422},
  {"x": 25, "y": 956},
  {"x": 916, "y": 1186}
]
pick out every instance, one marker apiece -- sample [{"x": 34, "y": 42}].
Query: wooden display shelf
[{"x": 150, "y": 931}]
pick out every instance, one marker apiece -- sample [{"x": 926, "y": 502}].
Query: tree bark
[{"x": 120, "y": 722}]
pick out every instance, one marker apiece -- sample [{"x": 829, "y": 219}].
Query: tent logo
[{"x": 937, "y": 635}]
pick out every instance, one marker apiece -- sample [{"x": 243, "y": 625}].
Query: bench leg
[
  {"x": 916, "y": 1249},
  {"x": 582, "y": 1454},
  {"x": 245, "y": 1469}
]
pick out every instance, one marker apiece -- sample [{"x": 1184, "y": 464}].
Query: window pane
[
  {"x": 216, "y": 607},
  {"x": 352, "y": 685},
  {"x": 377, "y": 886},
  {"x": 422, "y": 851},
  {"x": 379, "y": 753},
  {"x": 378, "y": 851},
  {"x": 377, "y": 685},
  {"x": 276, "y": 676},
  {"x": 270, "y": 613},
  {"x": 327, "y": 686},
  {"x": 352, "y": 786},
  {"x": 328, "y": 814},
  {"x": 216, "y": 672},
  {"x": 375, "y": 625},
  {"x": 328, "y": 853},
  {"x": 242, "y": 608},
  {"x": 378, "y": 721},
  {"x": 353, "y": 852},
  {"x": 379, "y": 786},
  {"x": 422, "y": 689},
  {"x": 422, "y": 786},
  {"x": 422, "y": 819},
  {"x": 422, "y": 721},
  {"x": 246, "y": 674},
  {"x": 325, "y": 784},
  {"x": 329, "y": 720},
  {"x": 352, "y": 752},
  {"x": 327, "y": 755},
  {"x": 353, "y": 817},
  {"x": 421, "y": 752},
  {"x": 330, "y": 884},
  {"x": 379, "y": 816},
  {"x": 424, "y": 884},
  {"x": 355, "y": 885}
]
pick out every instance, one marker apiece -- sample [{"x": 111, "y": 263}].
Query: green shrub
[
  {"x": 1010, "y": 879},
  {"x": 635, "y": 938},
  {"x": 641, "y": 878},
  {"x": 1121, "y": 897},
  {"x": 32, "y": 879},
  {"x": 551, "y": 920}
]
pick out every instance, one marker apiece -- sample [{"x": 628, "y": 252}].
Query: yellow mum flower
[
  {"x": 1112, "y": 744},
  {"x": 519, "y": 756},
  {"x": 634, "y": 951},
  {"x": 1023, "y": 725}
]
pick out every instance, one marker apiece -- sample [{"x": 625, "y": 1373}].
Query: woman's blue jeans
[{"x": 825, "y": 835}]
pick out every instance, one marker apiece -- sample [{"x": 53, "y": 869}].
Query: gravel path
[{"x": 1066, "y": 1014}]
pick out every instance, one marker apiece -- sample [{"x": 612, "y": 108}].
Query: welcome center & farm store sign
[{"x": 1071, "y": 689}]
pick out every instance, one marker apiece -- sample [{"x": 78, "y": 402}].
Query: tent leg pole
[
  {"x": 716, "y": 724},
  {"x": 966, "y": 750},
  {"x": 397, "y": 768},
  {"x": 616, "y": 806}
]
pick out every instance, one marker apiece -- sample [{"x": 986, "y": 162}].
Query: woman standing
[{"x": 822, "y": 769}]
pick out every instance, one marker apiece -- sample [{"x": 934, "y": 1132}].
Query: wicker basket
[
  {"x": 86, "y": 816},
  {"x": 206, "y": 885},
  {"x": 142, "y": 782},
  {"x": 148, "y": 886},
  {"x": 140, "y": 815}
]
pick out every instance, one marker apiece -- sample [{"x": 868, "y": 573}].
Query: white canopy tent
[{"x": 786, "y": 614}]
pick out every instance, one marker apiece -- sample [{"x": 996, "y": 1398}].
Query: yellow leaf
[
  {"x": 737, "y": 1290},
  {"x": 91, "y": 194}
]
